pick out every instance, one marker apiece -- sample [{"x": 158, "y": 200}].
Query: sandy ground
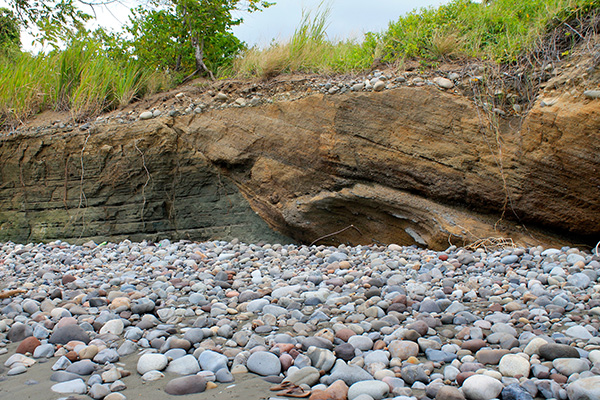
[{"x": 246, "y": 386}]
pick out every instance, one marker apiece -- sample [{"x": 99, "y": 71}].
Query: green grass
[
  {"x": 87, "y": 80},
  {"x": 308, "y": 50},
  {"x": 499, "y": 30},
  {"x": 78, "y": 79}
]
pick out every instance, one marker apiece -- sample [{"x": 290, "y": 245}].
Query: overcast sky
[{"x": 348, "y": 18}]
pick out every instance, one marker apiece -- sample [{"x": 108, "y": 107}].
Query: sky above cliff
[{"x": 349, "y": 19}]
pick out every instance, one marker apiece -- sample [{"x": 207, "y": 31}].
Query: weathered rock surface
[{"x": 406, "y": 165}]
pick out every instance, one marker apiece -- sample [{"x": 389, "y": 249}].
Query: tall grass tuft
[
  {"x": 498, "y": 30},
  {"x": 308, "y": 50},
  {"x": 79, "y": 79}
]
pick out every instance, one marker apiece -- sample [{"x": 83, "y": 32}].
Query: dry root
[{"x": 492, "y": 244}]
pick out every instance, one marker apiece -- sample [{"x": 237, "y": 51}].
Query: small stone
[
  {"x": 83, "y": 367},
  {"x": 114, "y": 326},
  {"x": 152, "y": 376},
  {"x": 449, "y": 393},
  {"x": 63, "y": 376},
  {"x": 115, "y": 396},
  {"x": 474, "y": 344},
  {"x": 68, "y": 333},
  {"x": 338, "y": 390},
  {"x": 264, "y": 363},
  {"x": 224, "y": 376},
  {"x": 584, "y": 389},
  {"x": 44, "y": 351},
  {"x": 379, "y": 86},
  {"x": 412, "y": 373},
  {"x": 376, "y": 389},
  {"x": 485, "y": 356},
  {"x": 350, "y": 374},
  {"x": 151, "y": 362},
  {"x": 186, "y": 385},
  {"x": 212, "y": 361},
  {"x": 481, "y": 387},
  {"x": 534, "y": 345},
  {"x": 186, "y": 365},
  {"x": 514, "y": 365},
  {"x": 550, "y": 351},
  {"x": 592, "y": 94},
  {"x": 578, "y": 332},
  {"x": 444, "y": 83},
  {"x": 345, "y": 351},
  {"x": 363, "y": 343},
  {"x": 322, "y": 359},
  {"x": 99, "y": 391},
  {"x": 19, "y": 331},
  {"x": 307, "y": 375},
  {"x": 146, "y": 115},
  {"x": 106, "y": 356},
  {"x": 88, "y": 352},
  {"x": 76, "y": 386},
  {"x": 17, "y": 370},
  {"x": 569, "y": 366},
  {"x": 111, "y": 375},
  {"x": 515, "y": 392},
  {"x": 28, "y": 345}
]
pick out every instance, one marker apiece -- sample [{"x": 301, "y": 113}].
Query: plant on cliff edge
[{"x": 193, "y": 36}]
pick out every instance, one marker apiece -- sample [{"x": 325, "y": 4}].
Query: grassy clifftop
[{"x": 86, "y": 81}]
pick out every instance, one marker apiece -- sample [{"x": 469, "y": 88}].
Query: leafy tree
[
  {"x": 159, "y": 39},
  {"x": 183, "y": 32},
  {"x": 10, "y": 36},
  {"x": 55, "y": 18}
]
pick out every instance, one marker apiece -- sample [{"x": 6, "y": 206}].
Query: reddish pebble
[
  {"x": 72, "y": 356},
  {"x": 286, "y": 361},
  {"x": 344, "y": 334},
  {"x": 39, "y": 317},
  {"x": 379, "y": 345},
  {"x": 64, "y": 321},
  {"x": 474, "y": 344},
  {"x": 28, "y": 345},
  {"x": 460, "y": 378},
  {"x": 559, "y": 378},
  {"x": 284, "y": 347},
  {"x": 72, "y": 344},
  {"x": 67, "y": 279},
  {"x": 443, "y": 257},
  {"x": 337, "y": 391}
]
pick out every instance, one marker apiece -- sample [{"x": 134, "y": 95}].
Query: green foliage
[
  {"x": 179, "y": 36},
  {"x": 161, "y": 40},
  {"x": 55, "y": 19},
  {"x": 499, "y": 30},
  {"x": 309, "y": 50},
  {"x": 10, "y": 36},
  {"x": 79, "y": 79}
]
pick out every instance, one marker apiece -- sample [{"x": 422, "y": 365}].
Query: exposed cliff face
[
  {"x": 137, "y": 181},
  {"x": 408, "y": 165}
]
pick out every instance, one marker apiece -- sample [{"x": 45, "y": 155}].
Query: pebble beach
[{"x": 227, "y": 320}]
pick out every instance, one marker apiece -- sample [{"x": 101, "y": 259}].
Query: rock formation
[{"x": 410, "y": 165}]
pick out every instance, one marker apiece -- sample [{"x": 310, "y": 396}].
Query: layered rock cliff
[{"x": 410, "y": 165}]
